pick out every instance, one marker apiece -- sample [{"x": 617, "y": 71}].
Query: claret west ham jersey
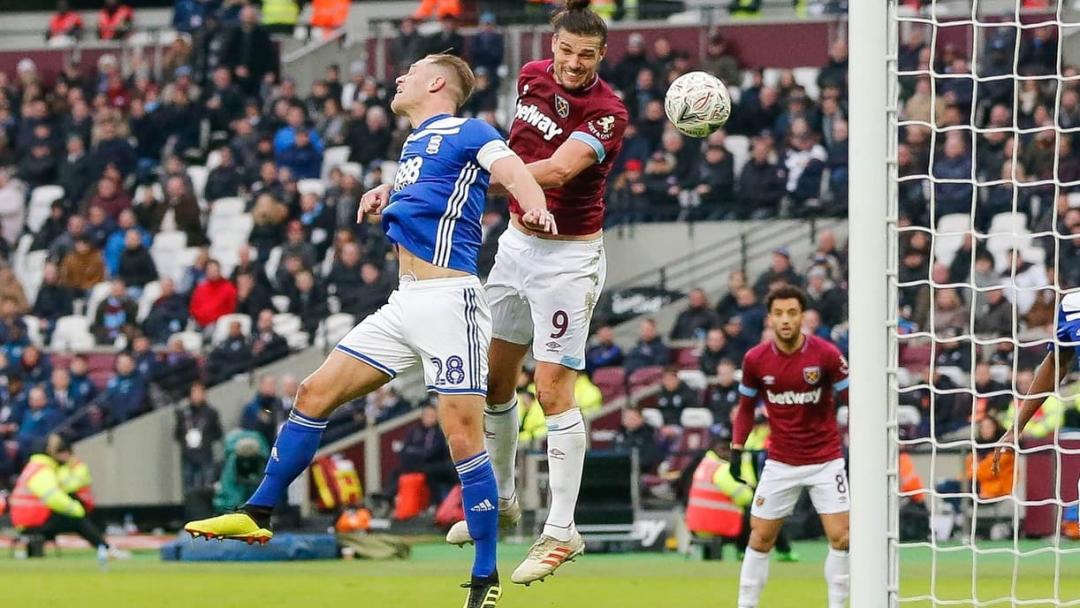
[{"x": 546, "y": 116}]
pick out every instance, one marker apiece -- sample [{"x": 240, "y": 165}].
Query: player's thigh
[
  {"x": 562, "y": 294},
  {"x": 830, "y": 494},
  {"x": 504, "y": 365},
  {"x": 340, "y": 379},
  {"x": 836, "y": 526},
  {"x": 462, "y": 419},
  {"x": 511, "y": 320},
  {"x": 777, "y": 491},
  {"x": 450, "y": 330}
]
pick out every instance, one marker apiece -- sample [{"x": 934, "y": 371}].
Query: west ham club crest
[{"x": 562, "y": 107}]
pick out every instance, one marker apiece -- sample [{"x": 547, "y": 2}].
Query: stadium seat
[
  {"x": 33, "y": 330},
  {"x": 611, "y": 381},
  {"x": 298, "y": 340},
  {"x": 333, "y": 329},
  {"x": 30, "y": 272},
  {"x": 334, "y": 156},
  {"x": 150, "y": 293},
  {"x": 1007, "y": 231},
  {"x": 198, "y": 175},
  {"x": 281, "y": 303},
  {"x": 957, "y": 375},
  {"x": 739, "y": 147},
  {"x": 694, "y": 378},
  {"x": 687, "y": 358},
  {"x": 286, "y": 323},
  {"x": 653, "y": 417},
  {"x": 41, "y": 200},
  {"x": 273, "y": 261},
  {"x": 222, "y": 212},
  {"x": 908, "y": 415},
  {"x": 354, "y": 169},
  {"x": 696, "y": 418},
  {"x": 311, "y": 185},
  {"x": 72, "y": 333},
  {"x": 807, "y": 78},
  {"x": 1000, "y": 373},
  {"x": 389, "y": 171},
  {"x": 192, "y": 340},
  {"x": 645, "y": 376},
  {"x": 97, "y": 295},
  {"x": 213, "y": 159},
  {"x": 946, "y": 245},
  {"x": 221, "y": 327}
]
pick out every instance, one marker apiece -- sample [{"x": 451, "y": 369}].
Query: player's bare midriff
[
  {"x": 515, "y": 221},
  {"x": 421, "y": 270}
]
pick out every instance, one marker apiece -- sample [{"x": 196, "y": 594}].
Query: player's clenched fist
[
  {"x": 540, "y": 220},
  {"x": 373, "y": 201}
]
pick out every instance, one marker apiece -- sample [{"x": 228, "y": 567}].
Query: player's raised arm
[
  {"x": 520, "y": 182},
  {"x": 1049, "y": 374}
]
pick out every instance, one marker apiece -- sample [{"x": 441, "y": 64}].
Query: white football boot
[
  {"x": 509, "y": 516},
  {"x": 545, "y": 556}
]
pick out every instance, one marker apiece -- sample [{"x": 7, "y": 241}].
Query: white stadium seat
[
  {"x": 150, "y": 293},
  {"x": 198, "y": 175},
  {"x": 696, "y": 418},
  {"x": 72, "y": 333},
  {"x": 41, "y": 200},
  {"x": 739, "y": 147},
  {"x": 192, "y": 340},
  {"x": 221, "y": 327},
  {"x": 946, "y": 245},
  {"x": 334, "y": 156},
  {"x": 653, "y": 417},
  {"x": 98, "y": 293},
  {"x": 311, "y": 185}
]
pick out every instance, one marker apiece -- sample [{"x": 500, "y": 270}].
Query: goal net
[{"x": 983, "y": 223}]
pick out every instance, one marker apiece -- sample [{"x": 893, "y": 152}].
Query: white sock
[
  {"x": 500, "y": 441},
  {"x": 755, "y": 571},
  {"x": 566, "y": 457},
  {"x": 837, "y": 577}
]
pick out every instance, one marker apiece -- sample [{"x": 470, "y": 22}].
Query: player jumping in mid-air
[
  {"x": 439, "y": 313},
  {"x": 1054, "y": 367},
  {"x": 568, "y": 127},
  {"x": 797, "y": 376}
]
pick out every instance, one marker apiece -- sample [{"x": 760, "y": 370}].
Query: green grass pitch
[{"x": 431, "y": 577}]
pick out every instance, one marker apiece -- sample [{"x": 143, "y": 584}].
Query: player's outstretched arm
[
  {"x": 373, "y": 202},
  {"x": 570, "y": 159},
  {"x": 513, "y": 174},
  {"x": 1053, "y": 369}
]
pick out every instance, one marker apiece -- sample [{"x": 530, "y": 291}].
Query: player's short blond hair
[{"x": 463, "y": 81}]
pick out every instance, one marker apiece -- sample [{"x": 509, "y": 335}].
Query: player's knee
[
  {"x": 313, "y": 399},
  {"x": 840, "y": 541},
  {"x": 555, "y": 395},
  {"x": 463, "y": 442},
  {"x": 500, "y": 389}
]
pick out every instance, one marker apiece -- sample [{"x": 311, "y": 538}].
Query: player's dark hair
[
  {"x": 576, "y": 18},
  {"x": 786, "y": 292}
]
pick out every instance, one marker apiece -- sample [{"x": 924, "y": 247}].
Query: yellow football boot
[{"x": 234, "y": 526}]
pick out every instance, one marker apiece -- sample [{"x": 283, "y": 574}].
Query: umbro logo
[
  {"x": 553, "y": 346},
  {"x": 483, "y": 507},
  {"x": 556, "y": 453}
]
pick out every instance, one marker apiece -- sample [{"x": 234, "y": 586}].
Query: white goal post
[{"x": 871, "y": 470}]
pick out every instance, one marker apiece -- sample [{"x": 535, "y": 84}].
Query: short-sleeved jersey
[
  {"x": 1068, "y": 322},
  {"x": 798, "y": 391},
  {"x": 439, "y": 190},
  {"x": 547, "y": 115}
]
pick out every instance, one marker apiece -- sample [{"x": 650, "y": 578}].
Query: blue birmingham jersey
[
  {"x": 439, "y": 190},
  {"x": 1068, "y": 322}
]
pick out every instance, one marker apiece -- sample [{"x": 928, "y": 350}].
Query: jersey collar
[{"x": 432, "y": 119}]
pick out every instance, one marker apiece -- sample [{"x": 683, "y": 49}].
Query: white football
[{"x": 697, "y": 103}]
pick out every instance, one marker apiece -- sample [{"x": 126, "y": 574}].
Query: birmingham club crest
[{"x": 562, "y": 107}]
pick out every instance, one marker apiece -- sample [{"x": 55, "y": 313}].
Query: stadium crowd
[{"x": 127, "y": 151}]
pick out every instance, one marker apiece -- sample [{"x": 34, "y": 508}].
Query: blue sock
[
  {"x": 292, "y": 453},
  {"x": 480, "y": 497}
]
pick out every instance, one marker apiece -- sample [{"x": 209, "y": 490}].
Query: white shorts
[
  {"x": 781, "y": 484},
  {"x": 544, "y": 291},
  {"x": 444, "y": 322}
]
